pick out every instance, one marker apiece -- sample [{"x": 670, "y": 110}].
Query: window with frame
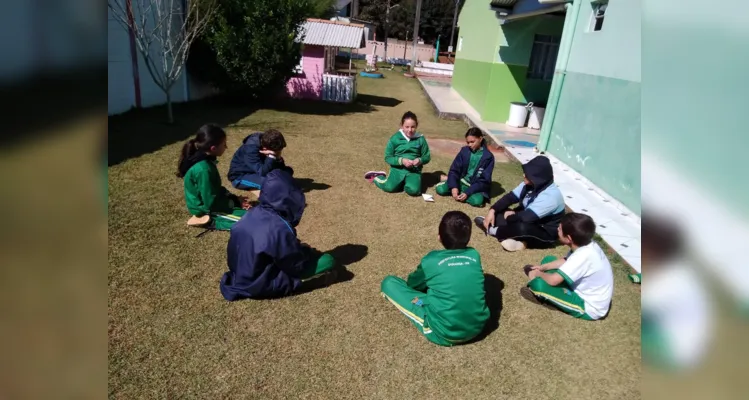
[
  {"x": 299, "y": 69},
  {"x": 543, "y": 57},
  {"x": 460, "y": 43},
  {"x": 596, "y": 19}
]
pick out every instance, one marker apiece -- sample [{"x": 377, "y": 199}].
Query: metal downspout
[{"x": 568, "y": 34}]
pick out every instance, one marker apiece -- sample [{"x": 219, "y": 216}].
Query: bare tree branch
[{"x": 163, "y": 31}]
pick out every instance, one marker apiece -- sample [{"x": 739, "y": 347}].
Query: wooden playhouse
[{"x": 316, "y": 77}]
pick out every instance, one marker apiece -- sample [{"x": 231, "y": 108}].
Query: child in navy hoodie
[{"x": 265, "y": 257}]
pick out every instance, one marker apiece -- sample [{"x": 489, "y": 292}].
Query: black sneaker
[
  {"x": 479, "y": 221},
  {"x": 526, "y": 293}
]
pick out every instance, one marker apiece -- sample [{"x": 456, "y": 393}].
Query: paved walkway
[{"x": 618, "y": 226}]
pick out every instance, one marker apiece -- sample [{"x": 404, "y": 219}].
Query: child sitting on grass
[
  {"x": 209, "y": 203},
  {"x": 406, "y": 153},
  {"x": 260, "y": 153},
  {"x": 265, "y": 257},
  {"x": 580, "y": 284},
  {"x": 470, "y": 176},
  {"x": 444, "y": 298}
]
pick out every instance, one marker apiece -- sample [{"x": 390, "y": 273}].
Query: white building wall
[{"x": 121, "y": 85}]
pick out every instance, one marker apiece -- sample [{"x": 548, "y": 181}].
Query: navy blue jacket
[
  {"x": 481, "y": 181},
  {"x": 264, "y": 255},
  {"x": 248, "y": 160}
]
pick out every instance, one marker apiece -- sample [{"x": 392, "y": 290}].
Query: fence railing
[{"x": 338, "y": 88}]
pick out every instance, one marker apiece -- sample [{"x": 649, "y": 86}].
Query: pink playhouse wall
[{"x": 308, "y": 84}]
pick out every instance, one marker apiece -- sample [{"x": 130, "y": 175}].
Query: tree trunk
[{"x": 169, "y": 111}]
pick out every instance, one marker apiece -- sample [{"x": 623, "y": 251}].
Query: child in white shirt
[{"x": 582, "y": 283}]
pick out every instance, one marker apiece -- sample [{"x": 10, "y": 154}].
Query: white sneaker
[{"x": 512, "y": 245}]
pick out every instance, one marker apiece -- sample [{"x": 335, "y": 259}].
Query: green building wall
[
  {"x": 492, "y": 64},
  {"x": 596, "y": 130}
]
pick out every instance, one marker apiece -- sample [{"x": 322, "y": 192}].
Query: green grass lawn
[{"x": 171, "y": 334}]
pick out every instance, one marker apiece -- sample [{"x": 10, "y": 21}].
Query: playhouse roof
[{"x": 320, "y": 32}]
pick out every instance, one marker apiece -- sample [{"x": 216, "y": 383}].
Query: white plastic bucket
[
  {"x": 518, "y": 114},
  {"x": 536, "y": 117}
]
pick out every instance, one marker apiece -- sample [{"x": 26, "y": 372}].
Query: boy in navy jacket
[
  {"x": 259, "y": 154},
  {"x": 265, "y": 257}
]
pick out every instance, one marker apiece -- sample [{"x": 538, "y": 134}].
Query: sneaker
[
  {"x": 512, "y": 245},
  {"x": 198, "y": 221},
  {"x": 371, "y": 175},
  {"x": 479, "y": 221},
  {"x": 526, "y": 293}
]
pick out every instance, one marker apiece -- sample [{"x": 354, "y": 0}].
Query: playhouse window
[
  {"x": 299, "y": 69},
  {"x": 460, "y": 43},
  {"x": 543, "y": 57},
  {"x": 596, "y": 19}
]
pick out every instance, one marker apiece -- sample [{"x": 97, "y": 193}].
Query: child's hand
[
  {"x": 535, "y": 273},
  {"x": 416, "y": 162},
  {"x": 489, "y": 220},
  {"x": 508, "y": 213},
  {"x": 245, "y": 202},
  {"x": 462, "y": 197},
  {"x": 268, "y": 152},
  {"x": 407, "y": 163},
  {"x": 455, "y": 194}
]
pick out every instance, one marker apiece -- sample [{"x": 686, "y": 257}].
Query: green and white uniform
[
  {"x": 400, "y": 147},
  {"x": 476, "y": 199},
  {"x": 588, "y": 283},
  {"x": 444, "y": 298},
  {"x": 204, "y": 195}
]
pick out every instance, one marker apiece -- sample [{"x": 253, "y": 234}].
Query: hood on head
[
  {"x": 539, "y": 172},
  {"x": 281, "y": 194}
]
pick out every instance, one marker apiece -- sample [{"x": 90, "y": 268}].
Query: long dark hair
[
  {"x": 475, "y": 132},
  {"x": 207, "y": 136},
  {"x": 409, "y": 115}
]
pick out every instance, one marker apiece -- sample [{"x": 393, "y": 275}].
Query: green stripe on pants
[
  {"x": 562, "y": 296},
  {"x": 476, "y": 199},
  {"x": 398, "y": 179},
  {"x": 224, "y": 221},
  {"x": 396, "y": 291}
]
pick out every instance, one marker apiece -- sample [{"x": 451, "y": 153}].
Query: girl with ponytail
[{"x": 209, "y": 203}]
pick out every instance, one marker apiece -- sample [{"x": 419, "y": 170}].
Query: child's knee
[
  {"x": 413, "y": 190},
  {"x": 537, "y": 284},
  {"x": 388, "y": 283}
]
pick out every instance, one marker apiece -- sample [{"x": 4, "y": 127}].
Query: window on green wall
[{"x": 543, "y": 57}]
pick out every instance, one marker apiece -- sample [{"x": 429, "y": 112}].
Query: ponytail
[
  {"x": 188, "y": 149},
  {"x": 208, "y": 135}
]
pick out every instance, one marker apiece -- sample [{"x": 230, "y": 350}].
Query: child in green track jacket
[
  {"x": 209, "y": 203},
  {"x": 444, "y": 298},
  {"x": 406, "y": 152}
]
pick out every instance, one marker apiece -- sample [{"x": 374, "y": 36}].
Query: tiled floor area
[{"x": 618, "y": 226}]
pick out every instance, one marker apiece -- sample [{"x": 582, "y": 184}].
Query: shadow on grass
[
  {"x": 378, "y": 100},
  {"x": 496, "y": 190},
  {"x": 431, "y": 179},
  {"x": 344, "y": 255},
  {"x": 143, "y": 131},
  {"x": 308, "y": 184},
  {"x": 493, "y": 287}
]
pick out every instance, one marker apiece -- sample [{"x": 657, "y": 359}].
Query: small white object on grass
[{"x": 428, "y": 197}]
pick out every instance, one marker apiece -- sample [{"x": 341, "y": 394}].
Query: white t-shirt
[{"x": 592, "y": 278}]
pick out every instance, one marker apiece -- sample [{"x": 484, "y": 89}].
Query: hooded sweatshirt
[
  {"x": 541, "y": 202},
  {"x": 203, "y": 191},
  {"x": 248, "y": 160},
  {"x": 264, "y": 255}
]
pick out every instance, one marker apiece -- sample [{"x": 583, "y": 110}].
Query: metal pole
[
  {"x": 455, "y": 20},
  {"x": 416, "y": 35}
]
